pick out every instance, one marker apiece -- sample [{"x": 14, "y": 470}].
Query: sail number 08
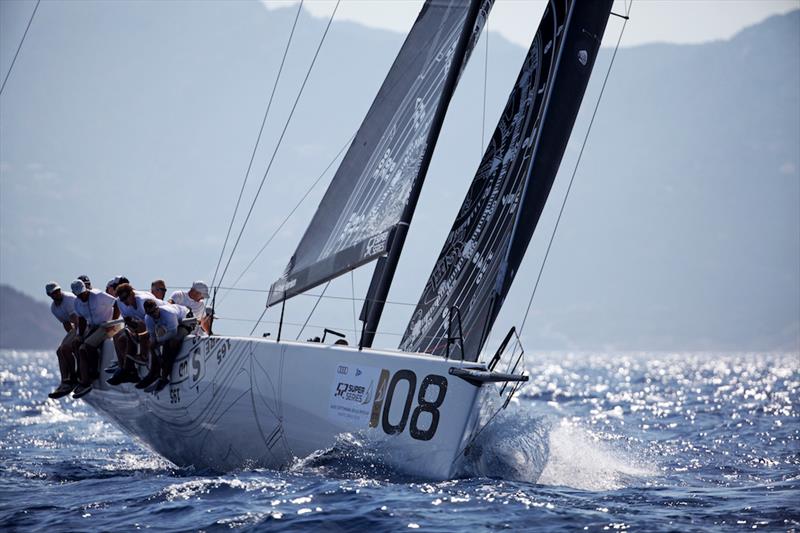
[{"x": 423, "y": 405}]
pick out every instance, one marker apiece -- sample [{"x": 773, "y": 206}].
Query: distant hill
[
  {"x": 26, "y": 324},
  {"x": 127, "y": 128}
]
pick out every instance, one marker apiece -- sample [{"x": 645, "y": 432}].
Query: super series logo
[{"x": 352, "y": 393}]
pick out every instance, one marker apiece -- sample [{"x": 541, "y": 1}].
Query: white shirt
[
  {"x": 137, "y": 309},
  {"x": 66, "y": 309},
  {"x": 169, "y": 318},
  {"x": 182, "y": 298},
  {"x": 97, "y": 309}
]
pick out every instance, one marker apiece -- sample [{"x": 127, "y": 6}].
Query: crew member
[
  {"x": 86, "y": 281},
  {"x": 194, "y": 299},
  {"x": 132, "y": 341},
  {"x": 113, "y": 283},
  {"x": 167, "y": 330},
  {"x": 159, "y": 289},
  {"x": 63, "y": 308},
  {"x": 94, "y": 310}
]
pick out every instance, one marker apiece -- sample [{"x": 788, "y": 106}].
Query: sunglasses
[{"x": 160, "y": 289}]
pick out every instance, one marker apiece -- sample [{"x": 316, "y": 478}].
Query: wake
[
  {"x": 520, "y": 446},
  {"x": 516, "y": 446}
]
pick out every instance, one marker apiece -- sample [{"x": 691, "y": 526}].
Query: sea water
[{"x": 597, "y": 442}]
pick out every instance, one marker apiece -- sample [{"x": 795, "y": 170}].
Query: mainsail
[
  {"x": 369, "y": 193},
  {"x": 489, "y": 237}
]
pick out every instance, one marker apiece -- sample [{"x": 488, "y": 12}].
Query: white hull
[{"x": 242, "y": 403}]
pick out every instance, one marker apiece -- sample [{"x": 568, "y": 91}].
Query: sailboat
[{"x": 240, "y": 402}]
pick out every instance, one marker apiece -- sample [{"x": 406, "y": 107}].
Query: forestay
[
  {"x": 366, "y": 198},
  {"x": 489, "y": 237}
]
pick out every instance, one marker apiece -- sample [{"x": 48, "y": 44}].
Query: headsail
[
  {"x": 496, "y": 221},
  {"x": 367, "y": 196}
]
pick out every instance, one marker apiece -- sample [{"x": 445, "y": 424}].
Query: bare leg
[
  {"x": 66, "y": 364},
  {"x": 87, "y": 363},
  {"x": 121, "y": 346}
]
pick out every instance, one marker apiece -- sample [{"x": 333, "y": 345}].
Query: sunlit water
[{"x": 598, "y": 442}]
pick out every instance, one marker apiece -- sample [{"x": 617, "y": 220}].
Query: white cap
[
  {"x": 201, "y": 287},
  {"x": 51, "y": 287},
  {"x": 113, "y": 282},
  {"x": 78, "y": 287}
]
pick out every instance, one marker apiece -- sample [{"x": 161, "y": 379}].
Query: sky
[{"x": 671, "y": 21}]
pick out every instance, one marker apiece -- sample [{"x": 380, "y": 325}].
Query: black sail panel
[
  {"x": 496, "y": 221},
  {"x": 366, "y": 198}
]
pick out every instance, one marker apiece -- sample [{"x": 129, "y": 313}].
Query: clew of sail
[
  {"x": 496, "y": 221},
  {"x": 370, "y": 190}
]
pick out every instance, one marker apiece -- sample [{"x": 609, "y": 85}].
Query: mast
[{"x": 385, "y": 269}]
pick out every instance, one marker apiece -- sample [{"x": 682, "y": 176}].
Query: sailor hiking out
[
  {"x": 89, "y": 316},
  {"x": 132, "y": 342},
  {"x": 87, "y": 282},
  {"x": 159, "y": 289},
  {"x": 63, "y": 308},
  {"x": 96, "y": 311},
  {"x": 195, "y": 300},
  {"x": 167, "y": 326},
  {"x": 113, "y": 283}
]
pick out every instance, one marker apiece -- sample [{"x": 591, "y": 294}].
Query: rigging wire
[
  {"x": 258, "y": 140},
  {"x": 311, "y": 295},
  {"x": 485, "y": 77},
  {"x": 574, "y": 172},
  {"x": 307, "y": 324},
  {"x": 312, "y": 310},
  {"x": 278, "y": 145},
  {"x": 257, "y": 321},
  {"x": 14, "y": 60},
  {"x": 287, "y": 217}
]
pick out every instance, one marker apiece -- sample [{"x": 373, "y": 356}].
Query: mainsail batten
[
  {"x": 489, "y": 237},
  {"x": 370, "y": 191}
]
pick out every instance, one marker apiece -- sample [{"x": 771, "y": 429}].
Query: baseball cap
[
  {"x": 78, "y": 287},
  {"x": 51, "y": 287},
  {"x": 201, "y": 287}
]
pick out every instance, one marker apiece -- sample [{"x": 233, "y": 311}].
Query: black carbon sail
[
  {"x": 368, "y": 195},
  {"x": 489, "y": 237}
]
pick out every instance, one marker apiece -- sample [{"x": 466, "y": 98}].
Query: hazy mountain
[
  {"x": 27, "y": 324},
  {"x": 127, "y": 128}
]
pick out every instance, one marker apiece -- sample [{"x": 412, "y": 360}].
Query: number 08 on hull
[{"x": 243, "y": 403}]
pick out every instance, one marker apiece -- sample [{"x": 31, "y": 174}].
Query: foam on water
[
  {"x": 514, "y": 446},
  {"x": 197, "y": 487},
  {"x": 582, "y": 461},
  {"x": 520, "y": 446}
]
